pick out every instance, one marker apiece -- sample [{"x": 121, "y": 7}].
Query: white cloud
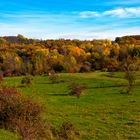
[
  {"x": 123, "y": 12},
  {"x": 118, "y": 12},
  {"x": 89, "y": 14}
]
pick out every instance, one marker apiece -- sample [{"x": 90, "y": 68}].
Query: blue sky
[{"x": 73, "y": 19}]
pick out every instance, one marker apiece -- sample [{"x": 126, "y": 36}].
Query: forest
[{"x": 20, "y": 55}]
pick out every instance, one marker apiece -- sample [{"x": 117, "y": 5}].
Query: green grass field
[{"x": 101, "y": 113}]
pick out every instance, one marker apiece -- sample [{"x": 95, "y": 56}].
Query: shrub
[
  {"x": 7, "y": 73},
  {"x": 21, "y": 115},
  {"x": 76, "y": 89},
  {"x": 54, "y": 78},
  {"x": 130, "y": 77},
  {"x": 26, "y": 81},
  {"x": 66, "y": 131},
  {"x": 129, "y": 66}
]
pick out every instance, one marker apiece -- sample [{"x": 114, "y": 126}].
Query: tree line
[{"x": 20, "y": 55}]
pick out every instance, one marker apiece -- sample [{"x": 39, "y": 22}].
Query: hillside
[{"x": 100, "y": 113}]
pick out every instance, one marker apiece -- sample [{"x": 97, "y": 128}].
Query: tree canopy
[{"x": 20, "y": 55}]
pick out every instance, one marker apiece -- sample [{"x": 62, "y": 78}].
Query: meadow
[{"x": 101, "y": 113}]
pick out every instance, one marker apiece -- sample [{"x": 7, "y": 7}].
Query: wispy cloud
[
  {"x": 118, "y": 12},
  {"x": 123, "y": 12},
  {"x": 107, "y": 34},
  {"x": 89, "y": 14},
  {"x": 37, "y": 25}
]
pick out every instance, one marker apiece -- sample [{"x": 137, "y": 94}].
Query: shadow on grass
[
  {"x": 110, "y": 86},
  {"x": 57, "y": 94},
  {"x": 23, "y": 86},
  {"x": 100, "y": 86},
  {"x": 59, "y": 82},
  {"x": 45, "y": 83}
]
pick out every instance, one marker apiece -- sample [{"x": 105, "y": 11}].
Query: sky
[{"x": 70, "y": 19}]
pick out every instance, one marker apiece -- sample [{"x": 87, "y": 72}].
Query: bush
[
  {"x": 129, "y": 66},
  {"x": 130, "y": 77},
  {"x": 76, "y": 89},
  {"x": 66, "y": 131},
  {"x": 26, "y": 81},
  {"x": 54, "y": 78},
  {"x": 21, "y": 115}
]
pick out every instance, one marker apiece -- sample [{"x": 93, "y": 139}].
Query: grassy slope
[{"x": 101, "y": 113}]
